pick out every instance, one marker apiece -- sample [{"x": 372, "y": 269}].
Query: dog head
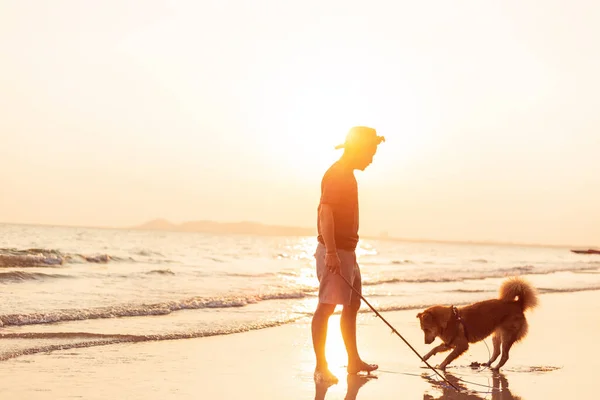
[{"x": 431, "y": 323}]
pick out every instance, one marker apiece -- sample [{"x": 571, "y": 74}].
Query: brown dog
[{"x": 504, "y": 317}]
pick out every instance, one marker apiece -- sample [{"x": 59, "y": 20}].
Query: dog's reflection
[
  {"x": 355, "y": 382},
  {"x": 498, "y": 391}
]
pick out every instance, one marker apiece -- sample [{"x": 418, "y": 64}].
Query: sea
[{"x": 65, "y": 287}]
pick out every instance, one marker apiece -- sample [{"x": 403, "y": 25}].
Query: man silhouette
[{"x": 337, "y": 226}]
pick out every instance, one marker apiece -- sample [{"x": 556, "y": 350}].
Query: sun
[{"x": 301, "y": 135}]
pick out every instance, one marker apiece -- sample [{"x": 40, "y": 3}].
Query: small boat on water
[{"x": 588, "y": 251}]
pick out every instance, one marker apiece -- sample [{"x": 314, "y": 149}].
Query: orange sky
[{"x": 117, "y": 112}]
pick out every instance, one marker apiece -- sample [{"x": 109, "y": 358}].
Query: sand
[{"x": 558, "y": 360}]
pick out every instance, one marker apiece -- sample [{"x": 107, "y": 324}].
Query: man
[{"x": 337, "y": 226}]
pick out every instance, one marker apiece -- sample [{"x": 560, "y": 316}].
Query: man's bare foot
[
  {"x": 361, "y": 366},
  {"x": 322, "y": 384},
  {"x": 324, "y": 375}
]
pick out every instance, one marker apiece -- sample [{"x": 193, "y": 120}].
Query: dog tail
[{"x": 521, "y": 290}]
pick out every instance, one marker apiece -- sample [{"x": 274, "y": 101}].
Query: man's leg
[
  {"x": 348, "y": 328},
  {"x": 320, "y": 321}
]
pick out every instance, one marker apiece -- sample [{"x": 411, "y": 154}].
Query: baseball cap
[{"x": 361, "y": 136}]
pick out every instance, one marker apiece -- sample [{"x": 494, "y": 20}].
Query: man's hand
[{"x": 332, "y": 262}]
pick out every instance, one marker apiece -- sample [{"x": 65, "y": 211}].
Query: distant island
[{"x": 246, "y": 228}]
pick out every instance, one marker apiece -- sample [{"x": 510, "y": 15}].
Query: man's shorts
[{"x": 332, "y": 288}]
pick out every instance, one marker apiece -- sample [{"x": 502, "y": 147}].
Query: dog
[{"x": 504, "y": 317}]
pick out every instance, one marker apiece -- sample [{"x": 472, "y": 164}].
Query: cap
[{"x": 361, "y": 136}]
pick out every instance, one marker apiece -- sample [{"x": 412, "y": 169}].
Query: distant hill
[{"x": 247, "y": 228}]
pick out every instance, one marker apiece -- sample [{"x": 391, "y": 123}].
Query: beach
[
  {"x": 558, "y": 360},
  {"x": 104, "y": 313}
]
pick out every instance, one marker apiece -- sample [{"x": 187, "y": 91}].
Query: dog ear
[{"x": 425, "y": 316}]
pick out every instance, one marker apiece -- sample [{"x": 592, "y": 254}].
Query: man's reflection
[{"x": 354, "y": 381}]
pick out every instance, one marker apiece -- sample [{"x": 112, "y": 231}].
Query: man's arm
[{"x": 327, "y": 227}]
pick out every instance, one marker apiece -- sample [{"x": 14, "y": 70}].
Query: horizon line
[{"x": 366, "y": 236}]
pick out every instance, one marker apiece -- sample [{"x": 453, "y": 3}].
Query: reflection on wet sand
[
  {"x": 355, "y": 382},
  {"x": 498, "y": 391}
]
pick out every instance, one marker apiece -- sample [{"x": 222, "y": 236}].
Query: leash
[{"x": 397, "y": 333}]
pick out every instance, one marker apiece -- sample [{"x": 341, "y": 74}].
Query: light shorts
[{"x": 332, "y": 288}]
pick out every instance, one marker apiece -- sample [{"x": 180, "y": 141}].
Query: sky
[{"x": 113, "y": 113}]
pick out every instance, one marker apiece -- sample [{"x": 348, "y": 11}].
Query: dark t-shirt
[{"x": 340, "y": 190}]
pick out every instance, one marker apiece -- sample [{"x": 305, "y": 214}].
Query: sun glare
[{"x": 335, "y": 350}]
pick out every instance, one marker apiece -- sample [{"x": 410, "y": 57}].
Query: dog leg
[
  {"x": 460, "y": 348},
  {"x": 436, "y": 349},
  {"x": 507, "y": 342},
  {"x": 496, "y": 340}
]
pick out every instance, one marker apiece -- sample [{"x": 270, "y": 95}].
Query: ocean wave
[
  {"x": 289, "y": 273},
  {"x": 165, "y": 308},
  {"x": 249, "y": 275},
  {"x": 148, "y": 253},
  {"x": 568, "y": 290},
  {"x": 32, "y": 258},
  {"x": 408, "y": 280},
  {"x": 160, "y": 272},
  {"x": 28, "y": 276},
  {"x": 470, "y": 275},
  {"x": 392, "y": 262}
]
